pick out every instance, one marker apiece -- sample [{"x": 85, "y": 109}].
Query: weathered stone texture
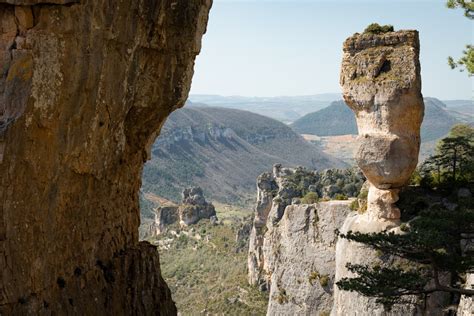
[
  {"x": 466, "y": 305},
  {"x": 299, "y": 257},
  {"x": 292, "y": 245},
  {"x": 84, "y": 91},
  {"x": 194, "y": 207},
  {"x": 381, "y": 83}
]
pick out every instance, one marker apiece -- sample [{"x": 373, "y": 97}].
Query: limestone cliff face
[
  {"x": 466, "y": 305},
  {"x": 292, "y": 245},
  {"x": 299, "y": 257},
  {"x": 84, "y": 90}
]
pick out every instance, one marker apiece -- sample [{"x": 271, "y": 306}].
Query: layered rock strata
[{"x": 85, "y": 87}]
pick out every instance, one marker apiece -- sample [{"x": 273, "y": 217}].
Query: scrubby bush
[
  {"x": 355, "y": 205},
  {"x": 324, "y": 280},
  {"x": 310, "y": 198},
  {"x": 376, "y": 28},
  {"x": 340, "y": 197}
]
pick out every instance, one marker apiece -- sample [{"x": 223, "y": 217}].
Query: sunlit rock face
[
  {"x": 381, "y": 83},
  {"x": 291, "y": 244},
  {"x": 85, "y": 87}
]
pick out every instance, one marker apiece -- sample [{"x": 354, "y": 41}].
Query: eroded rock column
[
  {"x": 85, "y": 87},
  {"x": 381, "y": 83}
]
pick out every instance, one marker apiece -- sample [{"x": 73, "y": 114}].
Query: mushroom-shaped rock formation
[
  {"x": 381, "y": 83},
  {"x": 85, "y": 87}
]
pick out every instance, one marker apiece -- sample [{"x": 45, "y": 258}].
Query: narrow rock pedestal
[{"x": 381, "y": 83}]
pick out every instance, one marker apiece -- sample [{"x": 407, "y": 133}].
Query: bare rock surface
[
  {"x": 292, "y": 243},
  {"x": 381, "y": 83},
  {"x": 85, "y": 87},
  {"x": 466, "y": 305},
  {"x": 194, "y": 207},
  {"x": 300, "y": 257}
]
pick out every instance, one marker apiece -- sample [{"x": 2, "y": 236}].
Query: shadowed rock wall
[{"x": 85, "y": 87}]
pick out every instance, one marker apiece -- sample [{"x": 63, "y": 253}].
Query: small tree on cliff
[
  {"x": 433, "y": 243},
  {"x": 454, "y": 158},
  {"x": 467, "y": 60},
  {"x": 429, "y": 249}
]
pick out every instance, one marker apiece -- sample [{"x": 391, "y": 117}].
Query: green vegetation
[
  {"x": 310, "y": 198},
  {"x": 466, "y": 62},
  {"x": 432, "y": 238},
  {"x": 313, "y": 277},
  {"x": 375, "y": 28},
  {"x": 324, "y": 280},
  {"x": 340, "y": 197},
  {"x": 432, "y": 247},
  {"x": 282, "y": 297},
  {"x": 223, "y": 151},
  {"x": 330, "y": 183},
  {"x": 207, "y": 273},
  {"x": 453, "y": 161},
  {"x": 355, "y": 205}
]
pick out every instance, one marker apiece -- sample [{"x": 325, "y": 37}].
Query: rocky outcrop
[
  {"x": 84, "y": 90},
  {"x": 164, "y": 216},
  {"x": 381, "y": 83},
  {"x": 300, "y": 258},
  {"x": 194, "y": 207},
  {"x": 466, "y": 305},
  {"x": 292, "y": 241}
]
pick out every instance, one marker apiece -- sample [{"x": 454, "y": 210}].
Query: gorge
[{"x": 86, "y": 87}]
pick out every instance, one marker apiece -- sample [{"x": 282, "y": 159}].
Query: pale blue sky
[{"x": 293, "y": 47}]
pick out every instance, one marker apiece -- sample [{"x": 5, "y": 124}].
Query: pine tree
[
  {"x": 431, "y": 243},
  {"x": 467, "y": 60},
  {"x": 429, "y": 247}
]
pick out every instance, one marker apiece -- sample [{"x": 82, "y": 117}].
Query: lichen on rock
[{"x": 381, "y": 83}]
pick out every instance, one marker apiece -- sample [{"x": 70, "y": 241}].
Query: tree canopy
[
  {"x": 433, "y": 241},
  {"x": 466, "y": 62}
]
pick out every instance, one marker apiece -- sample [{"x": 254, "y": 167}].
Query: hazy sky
[{"x": 293, "y": 47}]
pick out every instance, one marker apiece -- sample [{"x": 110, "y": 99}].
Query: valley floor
[{"x": 206, "y": 267}]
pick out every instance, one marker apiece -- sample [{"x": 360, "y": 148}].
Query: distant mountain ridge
[
  {"x": 283, "y": 108},
  {"x": 338, "y": 119},
  {"x": 223, "y": 151}
]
